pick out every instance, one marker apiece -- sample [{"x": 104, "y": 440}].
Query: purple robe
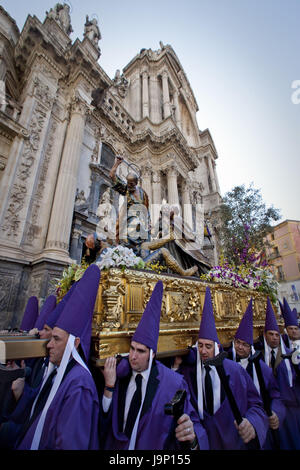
[
  {"x": 220, "y": 428},
  {"x": 277, "y": 404},
  {"x": 290, "y": 431},
  {"x": 155, "y": 429},
  {"x": 72, "y": 419}
]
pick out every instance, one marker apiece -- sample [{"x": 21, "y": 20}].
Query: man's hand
[
  {"x": 17, "y": 387},
  {"x": 117, "y": 162},
  {"x": 274, "y": 421},
  {"x": 185, "y": 429},
  {"x": 12, "y": 365},
  {"x": 245, "y": 430},
  {"x": 110, "y": 374}
]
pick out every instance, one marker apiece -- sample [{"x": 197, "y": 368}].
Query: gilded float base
[{"x": 123, "y": 295}]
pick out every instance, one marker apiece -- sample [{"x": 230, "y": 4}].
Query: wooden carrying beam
[{"x": 22, "y": 347}]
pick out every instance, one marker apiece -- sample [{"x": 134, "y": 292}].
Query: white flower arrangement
[{"x": 120, "y": 257}]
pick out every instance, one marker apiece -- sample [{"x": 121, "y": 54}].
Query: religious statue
[
  {"x": 176, "y": 245},
  {"x": 133, "y": 224},
  {"x": 80, "y": 197},
  {"x": 91, "y": 31},
  {"x": 107, "y": 217},
  {"x": 61, "y": 14},
  {"x": 121, "y": 83}
]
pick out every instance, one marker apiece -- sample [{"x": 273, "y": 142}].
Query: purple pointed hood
[
  {"x": 147, "y": 331},
  {"x": 245, "y": 329},
  {"x": 76, "y": 317},
  {"x": 30, "y": 314},
  {"x": 281, "y": 308},
  {"x": 207, "y": 328},
  {"x": 54, "y": 315},
  {"x": 270, "y": 322},
  {"x": 47, "y": 308},
  {"x": 290, "y": 316}
]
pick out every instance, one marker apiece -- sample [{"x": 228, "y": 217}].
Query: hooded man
[
  {"x": 137, "y": 391},
  {"x": 240, "y": 351},
  {"x": 30, "y": 315},
  {"x": 64, "y": 414},
  {"x": 208, "y": 395},
  {"x": 292, "y": 336},
  {"x": 287, "y": 376}
]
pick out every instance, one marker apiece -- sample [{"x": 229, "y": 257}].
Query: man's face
[
  {"x": 293, "y": 332},
  {"x": 46, "y": 332},
  {"x": 131, "y": 183},
  {"x": 57, "y": 344},
  {"x": 206, "y": 349},
  {"x": 272, "y": 338},
  {"x": 139, "y": 356},
  {"x": 242, "y": 348}
]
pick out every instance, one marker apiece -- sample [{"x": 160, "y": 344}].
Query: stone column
[
  {"x": 147, "y": 184},
  {"x": 57, "y": 244},
  {"x": 186, "y": 205},
  {"x": 134, "y": 97},
  {"x": 166, "y": 95},
  {"x": 156, "y": 196},
  {"x": 212, "y": 174},
  {"x": 96, "y": 180},
  {"x": 172, "y": 185},
  {"x": 216, "y": 178},
  {"x": 155, "y": 105},
  {"x": 145, "y": 97},
  {"x": 177, "y": 110},
  {"x": 74, "y": 251}
]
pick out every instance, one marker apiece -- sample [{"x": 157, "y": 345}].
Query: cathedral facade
[{"x": 62, "y": 122}]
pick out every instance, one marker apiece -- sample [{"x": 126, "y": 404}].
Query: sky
[{"x": 242, "y": 60}]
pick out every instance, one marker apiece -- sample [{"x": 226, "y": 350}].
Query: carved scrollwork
[
  {"x": 19, "y": 189},
  {"x": 113, "y": 301},
  {"x": 43, "y": 92}
]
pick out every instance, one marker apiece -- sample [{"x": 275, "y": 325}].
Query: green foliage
[{"x": 245, "y": 219}]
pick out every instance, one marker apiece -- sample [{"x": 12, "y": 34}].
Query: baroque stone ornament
[
  {"x": 43, "y": 92},
  {"x": 121, "y": 83},
  {"x": 92, "y": 31},
  {"x": 19, "y": 190},
  {"x": 123, "y": 296},
  {"x": 33, "y": 227},
  {"x": 61, "y": 15}
]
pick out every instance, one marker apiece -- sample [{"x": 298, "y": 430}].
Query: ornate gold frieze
[{"x": 123, "y": 296}]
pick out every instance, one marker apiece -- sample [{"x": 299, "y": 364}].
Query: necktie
[
  {"x": 272, "y": 362},
  {"x": 134, "y": 406},
  {"x": 209, "y": 395}
]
